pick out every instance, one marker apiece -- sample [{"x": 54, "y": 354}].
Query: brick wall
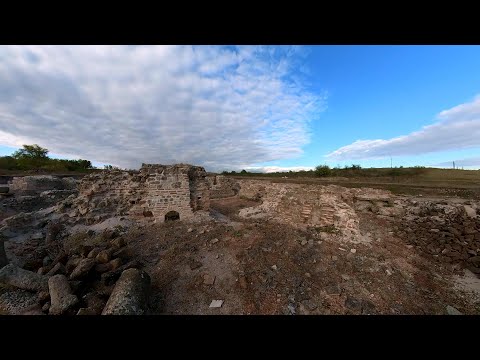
[{"x": 153, "y": 191}]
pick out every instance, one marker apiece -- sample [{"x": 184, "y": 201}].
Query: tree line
[{"x": 35, "y": 157}]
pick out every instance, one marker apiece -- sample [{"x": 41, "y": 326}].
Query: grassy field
[{"x": 410, "y": 181}]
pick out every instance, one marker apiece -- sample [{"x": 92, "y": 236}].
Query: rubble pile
[{"x": 80, "y": 279}]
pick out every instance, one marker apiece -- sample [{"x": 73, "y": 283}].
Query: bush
[{"x": 323, "y": 170}]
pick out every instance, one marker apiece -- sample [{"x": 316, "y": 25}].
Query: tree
[
  {"x": 323, "y": 170},
  {"x": 243, "y": 171},
  {"x": 32, "y": 152}
]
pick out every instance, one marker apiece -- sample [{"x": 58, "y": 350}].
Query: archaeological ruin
[{"x": 161, "y": 192}]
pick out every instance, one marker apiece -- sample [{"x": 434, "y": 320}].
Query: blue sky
[{"x": 251, "y": 107}]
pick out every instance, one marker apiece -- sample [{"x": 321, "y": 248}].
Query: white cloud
[
  {"x": 456, "y": 128},
  {"x": 219, "y": 107}
]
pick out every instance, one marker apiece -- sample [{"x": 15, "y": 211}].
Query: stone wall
[
  {"x": 222, "y": 186},
  {"x": 151, "y": 192},
  {"x": 37, "y": 184}
]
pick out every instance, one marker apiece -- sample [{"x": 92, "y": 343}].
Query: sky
[{"x": 259, "y": 108}]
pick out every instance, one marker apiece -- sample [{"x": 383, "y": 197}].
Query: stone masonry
[
  {"x": 36, "y": 184},
  {"x": 152, "y": 192},
  {"x": 222, "y": 186}
]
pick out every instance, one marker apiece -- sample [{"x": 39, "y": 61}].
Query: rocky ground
[{"x": 272, "y": 249}]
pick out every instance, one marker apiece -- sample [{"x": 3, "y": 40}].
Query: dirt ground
[{"x": 263, "y": 267}]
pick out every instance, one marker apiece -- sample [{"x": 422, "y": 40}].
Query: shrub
[{"x": 323, "y": 170}]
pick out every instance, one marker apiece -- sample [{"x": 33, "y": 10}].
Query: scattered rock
[
  {"x": 216, "y": 304},
  {"x": 345, "y": 277},
  {"x": 310, "y": 304},
  {"x": 118, "y": 243},
  {"x": 471, "y": 213},
  {"x": 86, "y": 311},
  {"x": 304, "y": 242},
  {"x": 57, "y": 269},
  {"x": 93, "y": 254},
  {"x": 334, "y": 257},
  {"x": 452, "y": 311},
  {"x": 214, "y": 241},
  {"x": 43, "y": 296},
  {"x": 130, "y": 294},
  {"x": 291, "y": 309},
  {"x": 353, "y": 251},
  {"x": 115, "y": 263},
  {"x": 189, "y": 230},
  {"x": 23, "y": 279},
  {"x": 72, "y": 263},
  {"x": 353, "y": 304},
  {"x": 208, "y": 279},
  {"x": 124, "y": 253},
  {"x": 389, "y": 273},
  {"x": 333, "y": 290},
  {"x": 83, "y": 268},
  {"x": 61, "y": 296},
  {"x": 103, "y": 257},
  {"x": 47, "y": 261},
  {"x": 46, "y": 306},
  {"x": 308, "y": 275},
  {"x": 274, "y": 267}
]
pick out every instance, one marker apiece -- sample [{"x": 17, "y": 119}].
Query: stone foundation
[
  {"x": 32, "y": 185},
  {"x": 151, "y": 192},
  {"x": 222, "y": 186}
]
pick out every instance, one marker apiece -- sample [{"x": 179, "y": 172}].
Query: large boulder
[
  {"x": 61, "y": 295},
  {"x": 23, "y": 279},
  {"x": 130, "y": 294}
]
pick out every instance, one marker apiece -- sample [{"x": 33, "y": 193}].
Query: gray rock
[
  {"x": 291, "y": 309},
  {"x": 23, "y": 279},
  {"x": 46, "y": 306},
  {"x": 470, "y": 212},
  {"x": 452, "y": 311},
  {"x": 129, "y": 297},
  {"x": 103, "y": 257},
  {"x": 72, "y": 263},
  {"x": 93, "y": 254},
  {"x": 46, "y": 261},
  {"x": 353, "y": 304},
  {"x": 86, "y": 311},
  {"x": 82, "y": 269},
  {"x": 61, "y": 296},
  {"x": 58, "y": 268},
  {"x": 310, "y": 304},
  {"x": 333, "y": 290}
]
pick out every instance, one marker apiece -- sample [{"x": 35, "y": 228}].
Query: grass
[{"x": 408, "y": 181}]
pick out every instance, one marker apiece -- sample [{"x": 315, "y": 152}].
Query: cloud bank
[
  {"x": 456, "y": 128},
  {"x": 220, "y": 107}
]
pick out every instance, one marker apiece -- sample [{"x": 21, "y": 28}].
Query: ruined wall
[
  {"x": 37, "y": 184},
  {"x": 151, "y": 192},
  {"x": 222, "y": 186}
]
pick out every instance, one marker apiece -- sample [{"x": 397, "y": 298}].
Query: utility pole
[
  {"x": 454, "y": 164},
  {"x": 391, "y": 163}
]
